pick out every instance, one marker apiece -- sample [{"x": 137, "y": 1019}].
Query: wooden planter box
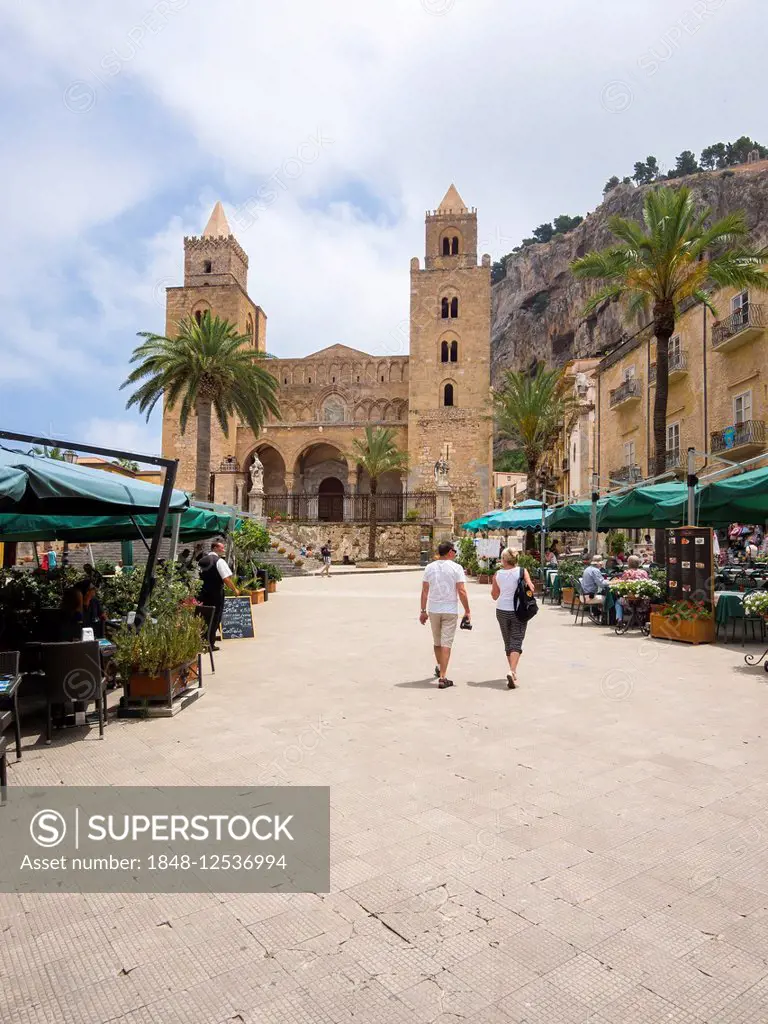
[
  {"x": 693, "y": 631},
  {"x": 567, "y": 596},
  {"x": 483, "y": 578},
  {"x": 271, "y": 586},
  {"x": 257, "y": 596},
  {"x": 165, "y": 685}
]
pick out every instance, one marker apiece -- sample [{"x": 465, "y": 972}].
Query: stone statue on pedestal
[
  {"x": 257, "y": 475},
  {"x": 441, "y": 472}
]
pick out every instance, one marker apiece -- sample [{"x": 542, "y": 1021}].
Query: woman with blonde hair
[{"x": 503, "y": 591}]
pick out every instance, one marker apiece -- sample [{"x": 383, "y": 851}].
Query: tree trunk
[
  {"x": 372, "y": 521},
  {"x": 203, "y": 455},
  {"x": 664, "y": 327},
  {"x": 531, "y": 483}
]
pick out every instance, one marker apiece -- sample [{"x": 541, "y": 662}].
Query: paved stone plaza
[{"x": 590, "y": 847}]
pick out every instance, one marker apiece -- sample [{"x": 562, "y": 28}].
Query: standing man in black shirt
[{"x": 215, "y": 574}]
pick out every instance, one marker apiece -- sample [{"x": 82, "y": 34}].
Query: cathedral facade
[{"x": 436, "y": 399}]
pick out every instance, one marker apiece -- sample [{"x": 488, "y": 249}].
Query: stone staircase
[{"x": 284, "y": 563}]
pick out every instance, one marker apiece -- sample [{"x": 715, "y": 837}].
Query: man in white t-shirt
[
  {"x": 215, "y": 574},
  {"x": 443, "y": 586}
]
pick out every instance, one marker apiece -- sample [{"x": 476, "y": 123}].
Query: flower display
[
  {"x": 636, "y": 588},
  {"x": 756, "y": 603}
]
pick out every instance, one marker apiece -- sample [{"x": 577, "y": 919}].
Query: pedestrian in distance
[
  {"x": 325, "y": 554},
  {"x": 503, "y": 591},
  {"x": 443, "y": 587}
]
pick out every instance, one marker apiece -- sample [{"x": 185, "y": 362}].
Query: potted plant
[
  {"x": 160, "y": 660},
  {"x": 756, "y": 604},
  {"x": 254, "y": 590},
  {"x": 691, "y": 622},
  {"x": 570, "y": 571},
  {"x": 281, "y": 550},
  {"x": 291, "y": 556},
  {"x": 483, "y": 574},
  {"x": 635, "y": 590}
]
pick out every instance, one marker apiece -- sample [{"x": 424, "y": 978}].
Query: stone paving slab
[{"x": 590, "y": 847}]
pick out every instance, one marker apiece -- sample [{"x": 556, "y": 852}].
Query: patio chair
[
  {"x": 3, "y": 769},
  {"x": 9, "y": 702},
  {"x": 73, "y": 675},
  {"x": 587, "y": 603},
  {"x": 207, "y": 612}
]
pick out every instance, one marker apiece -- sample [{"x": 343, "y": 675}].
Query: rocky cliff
[{"x": 537, "y": 307}]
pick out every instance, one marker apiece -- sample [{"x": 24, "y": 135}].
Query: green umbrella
[
  {"x": 37, "y": 485},
  {"x": 524, "y": 516},
  {"x": 742, "y": 498},
  {"x": 576, "y": 516},
  {"x": 195, "y": 524},
  {"x": 638, "y": 507}
]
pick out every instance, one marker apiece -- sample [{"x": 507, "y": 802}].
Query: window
[
  {"x": 454, "y": 308},
  {"x": 444, "y": 309},
  {"x": 573, "y": 457},
  {"x": 673, "y": 440},
  {"x": 629, "y": 372},
  {"x": 444, "y": 352},
  {"x": 674, "y": 349},
  {"x": 740, "y": 307},
  {"x": 333, "y": 410},
  {"x": 454, "y": 351},
  {"x": 629, "y": 453},
  {"x": 742, "y": 407},
  {"x": 454, "y": 246},
  {"x": 285, "y": 380},
  {"x": 207, "y": 266},
  {"x": 446, "y": 247},
  {"x": 199, "y": 315},
  {"x": 448, "y": 395}
]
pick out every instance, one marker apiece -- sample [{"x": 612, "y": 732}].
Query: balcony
[
  {"x": 630, "y": 391},
  {"x": 678, "y": 367},
  {"x": 675, "y": 462},
  {"x": 740, "y": 439},
  {"x": 565, "y": 465},
  {"x": 740, "y": 327},
  {"x": 626, "y": 474}
]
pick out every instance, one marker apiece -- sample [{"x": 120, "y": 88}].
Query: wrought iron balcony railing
[
  {"x": 627, "y": 474},
  {"x": 351, "y": 508},
  {"x": 678, "y": 364},
  {"x": 675, "y": 459},
  {"x": 750, "y": 433},
  {"x": 629, "y": 391},
  {"x": 747, "y": 322}
]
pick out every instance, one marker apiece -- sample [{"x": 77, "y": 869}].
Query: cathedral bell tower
[
  {"x": 450, "y": 413},
  {"x": 215, "y": 281}
]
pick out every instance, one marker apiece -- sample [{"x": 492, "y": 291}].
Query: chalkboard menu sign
[
  {"x": 237, "y": 620},
  {"x": 690, "y": 565}
]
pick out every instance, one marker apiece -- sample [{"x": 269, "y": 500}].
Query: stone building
[
  {"x": 718, "y": 391},
  {"x": 437, "y": 399}
]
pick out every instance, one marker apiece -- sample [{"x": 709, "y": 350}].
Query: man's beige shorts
[{"x": 443, "y": 628}]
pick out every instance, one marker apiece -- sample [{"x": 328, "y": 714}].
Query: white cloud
[{"x": 129, "y": 434}]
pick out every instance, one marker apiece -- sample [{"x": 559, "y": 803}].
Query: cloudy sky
[{"x": 327, "y": 129}]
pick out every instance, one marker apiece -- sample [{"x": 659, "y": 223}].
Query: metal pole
[
  {"x": 175, "y": 527},
  {"x": 593, "y": 515},
  {"x": 149, "y": 572},
  {"x": 692, "y": 481},
  {"x": 543, "y": 527}
]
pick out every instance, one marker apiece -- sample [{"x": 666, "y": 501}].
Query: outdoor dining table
[{"x": 729, "y": 606}]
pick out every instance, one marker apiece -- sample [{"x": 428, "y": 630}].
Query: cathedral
[{"x": 436, "y": 399}]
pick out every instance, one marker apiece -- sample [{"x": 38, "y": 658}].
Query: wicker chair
[{"x": 73, "y": 675}]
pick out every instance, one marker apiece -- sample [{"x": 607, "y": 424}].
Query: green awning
[
  {"x": 739, "y": 499},
  {"x": 525, "y": 516},
  {"x": 576, "y": 516},
  {"x": 196, "y": 524},
  {"x": 644, "y": 506},
  {"x": 36, "y": 485}
]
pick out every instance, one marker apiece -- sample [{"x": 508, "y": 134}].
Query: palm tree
[
  {"x": 50, "y": 453},
  {"x": 671, "y": 258},
  {"x": 377, "y": 453},
  {"x": 531, "y": 411},
  {"x": 208, "y": 367}
]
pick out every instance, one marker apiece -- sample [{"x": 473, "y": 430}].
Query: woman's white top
[{"x": 507, "y": 580}]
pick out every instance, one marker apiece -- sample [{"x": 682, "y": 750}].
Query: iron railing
[
  {"x": 631, "y": 388},
  {"x": 737, "y": 435},
  {"x": 678, "y": 363},
  {"x": 351, "y": 508},
  {"x": 749, "y": 315},
  {"x": 675, "y": 459},
  {"x": 627, "y": 474}
]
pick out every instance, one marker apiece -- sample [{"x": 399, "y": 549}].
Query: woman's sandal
[{"x": 511, "y": 681}]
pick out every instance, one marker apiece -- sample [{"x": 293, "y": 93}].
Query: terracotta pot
[
  {"x": 689, "y": 631},
  {"x": 257, "y": 596},
  {"x": 271, "y": 586},
  {"x": 567, "y": 596},
  {"x": 483, "y": 578}
]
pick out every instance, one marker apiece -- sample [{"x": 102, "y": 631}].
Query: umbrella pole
[
  {"x": 593, "y": 515},
  {"x": 543, "y": 527},
  {"x": 175, "y": 527},
  {"x": 692, "y": 481},
  {"x": 162, "y": 514}
]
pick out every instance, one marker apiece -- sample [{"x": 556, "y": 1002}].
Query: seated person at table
[
  {"x": 81, "y": 610},
  {"x": 592, "y": 580},
  {"x": 632, "y": 572},
  {"x": 552, "y": 558}
]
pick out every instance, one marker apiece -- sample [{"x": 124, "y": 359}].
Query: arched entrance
[{"x": 330, "y": 500}]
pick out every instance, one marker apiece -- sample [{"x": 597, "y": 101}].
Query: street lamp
[{"x": 69, "y": 456}]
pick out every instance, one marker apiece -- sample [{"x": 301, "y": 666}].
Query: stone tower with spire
[
  {"x": 215, "y": 280},
  {"x": 450, "y": 415}
]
